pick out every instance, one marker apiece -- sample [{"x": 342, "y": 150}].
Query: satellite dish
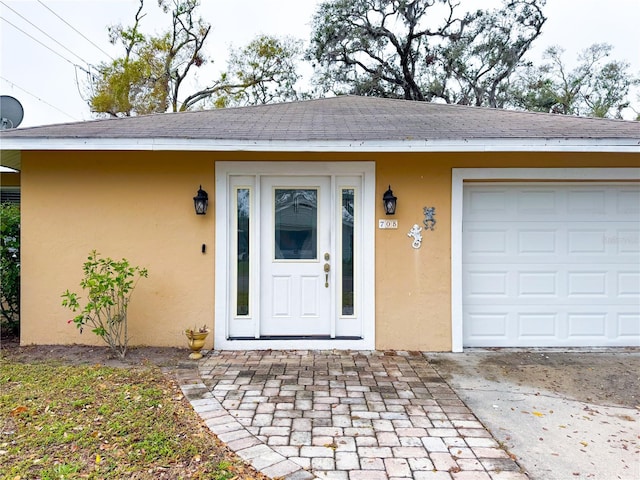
[{"x": 11, "y": 112}]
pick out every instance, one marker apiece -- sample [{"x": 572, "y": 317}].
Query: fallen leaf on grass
[{"x": 18, "y": 410}]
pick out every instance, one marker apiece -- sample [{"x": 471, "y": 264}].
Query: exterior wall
[
  {"x": 138, "y": 205},
  {"x": 415, "y": 314},
  {"x": 133, "y": 205}
]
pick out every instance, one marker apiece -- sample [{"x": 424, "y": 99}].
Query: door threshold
[{"x": 294, "y": 337}]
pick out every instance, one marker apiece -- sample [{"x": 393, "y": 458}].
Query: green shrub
[
  {"x": 10, "y": 267},
  {"x": 109, "y": 285}
]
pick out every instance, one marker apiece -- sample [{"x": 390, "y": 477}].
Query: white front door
[
  {"x": 278, "y": 226},
  {"x": 297, "y": 290}
]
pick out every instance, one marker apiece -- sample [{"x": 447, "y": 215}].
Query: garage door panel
[
  {"x": 537, "y": 242},
  {"x": 537, "y": 203},
  {"x": 487, "y": 284},
  {"x": 628, "y": 202},
  {"x": 551, "y": 265},
  {"x": 589, "y": 284},
  {"x": 582, "y": 241},
  {"x": 555, "y": 285},
  {"x": 537, "y": 284},
  {"x": 586, "y": 201},
  {"x": 483, "y": 242},
  {"x": 624, "y": 241},
  {"x": 483, "y": 203},
  {"x": 487, "y": 325},
  {"x": 575, "y": 243},
  {"x": 551, "y": 326},
  {"x": 537, "y": 325},
  {"x": 628, "y": 285},
  {"x": 628, "y": 325}
]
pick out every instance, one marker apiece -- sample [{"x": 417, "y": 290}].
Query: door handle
[{"x": 327, "y": 268}]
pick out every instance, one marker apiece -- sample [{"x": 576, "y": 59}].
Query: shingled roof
[{"x": 345, "y": 122}]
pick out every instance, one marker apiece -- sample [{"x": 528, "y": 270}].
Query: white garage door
[{"x": 551, "y": 264}]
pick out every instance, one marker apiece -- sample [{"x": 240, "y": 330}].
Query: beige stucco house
[{"x": 534, "y": 240}]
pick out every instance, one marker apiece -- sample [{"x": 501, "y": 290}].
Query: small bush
[
  {"x": 109, "y": 285},
  {"x": 10, "y": 267}
]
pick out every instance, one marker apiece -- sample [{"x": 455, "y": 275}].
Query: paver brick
[
  {"x": 281, "y": 469},
  {"x": 323, "y": 463},
  {"x": 343, "y": 415},
  {"x": 332, "y": 475},
  {"x": 443, "y": 461},
  {"x": 421, "y": 463},
  {"x": 347, "y": 461},
  {"x": 469, "y": 464},
  {"x": 509, "y": 476},
  {"x": 484, "y": 452},
  {"x": 435, "y": 444},
  {"x": 367, "y": 475},
  {"x": 397, "y": 467},
  {"x": 470, "y": 475},
  {"x": 388, "y": 439},
  {"x": 314, "y": 451},
  {"x": 433, "y": 475},
  {"x": 371, "y": 463}
]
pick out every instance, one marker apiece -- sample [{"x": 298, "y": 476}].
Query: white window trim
[
  {"x": 460, "y": 175},
  {"x": 223, "y": 195}
]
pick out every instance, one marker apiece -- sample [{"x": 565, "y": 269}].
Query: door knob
[{"x": 327, "y": 267}]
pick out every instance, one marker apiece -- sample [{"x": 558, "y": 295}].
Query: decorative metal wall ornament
[
  {"x": 429, "y": 222},
  {"x": 416, "y": 235}
]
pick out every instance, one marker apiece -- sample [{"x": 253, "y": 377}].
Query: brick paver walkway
[{"x": 343, "y": 415}]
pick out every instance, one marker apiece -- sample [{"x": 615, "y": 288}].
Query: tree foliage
[
  {"x": 10, "y": 266},
  {"x": 264, "y": 71},
  {"x": 422, "y": 49},
  {"x": 151, "y": 75},
  {"x": 148, "y": 76},
  {"x": 596, "y": 87}
]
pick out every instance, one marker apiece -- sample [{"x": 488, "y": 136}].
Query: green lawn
[{"x": 64, "y": 422}]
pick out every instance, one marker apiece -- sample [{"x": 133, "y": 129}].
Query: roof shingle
[{"x": 346, "y": 118}]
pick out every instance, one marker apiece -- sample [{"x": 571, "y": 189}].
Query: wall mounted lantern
[
  {"x": 201, "y": 201},
  {"x": 389, "y": 202}
]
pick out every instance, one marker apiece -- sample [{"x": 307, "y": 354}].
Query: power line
[
  {"x": 43, "y": 32},
  {"x": 37, "y": 98},
  {"x": 45, "y": 46},
  {"x": 75, "y": 30}
]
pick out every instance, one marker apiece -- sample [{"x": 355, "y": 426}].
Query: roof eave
[{"x": 526, "y": 144}]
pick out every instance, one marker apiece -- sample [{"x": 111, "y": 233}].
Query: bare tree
[
  {"x": 595, "y": 87},
  {"x": 151, "y": 75},
  {"x": 422, "y": 49}
]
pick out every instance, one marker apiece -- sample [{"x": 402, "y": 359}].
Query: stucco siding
[
  {"x": 133, "y": 205},
  {"x": 139, "y": 205}
]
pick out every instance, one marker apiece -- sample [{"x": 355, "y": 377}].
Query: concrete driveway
[{"x": 563, "y": 414}]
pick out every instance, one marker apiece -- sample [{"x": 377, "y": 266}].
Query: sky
[{"x": 45, "y": 45}]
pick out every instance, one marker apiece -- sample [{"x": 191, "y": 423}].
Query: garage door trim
[{"x": 460, "y": 175}]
